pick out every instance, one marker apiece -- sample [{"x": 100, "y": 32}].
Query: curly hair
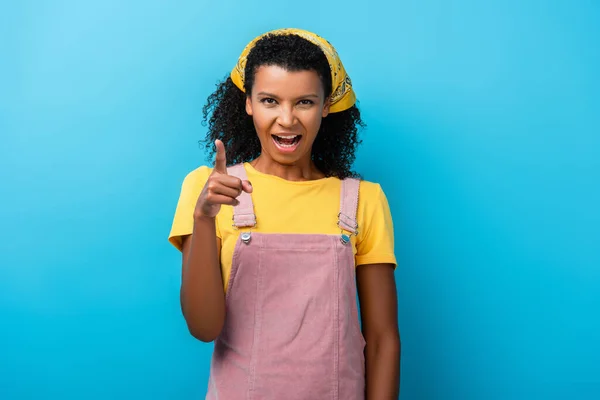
[{"x": 335, "y": 146}]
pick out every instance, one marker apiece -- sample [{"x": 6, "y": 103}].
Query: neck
[{"x": 303, "y": 170}]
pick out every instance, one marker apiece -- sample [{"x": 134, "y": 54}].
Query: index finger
[{"x": 220, "y": 159}]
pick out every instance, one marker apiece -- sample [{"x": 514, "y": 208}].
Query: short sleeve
[
  {"x": 183, "y": 221},
  {"x": 375, "y": 241}
]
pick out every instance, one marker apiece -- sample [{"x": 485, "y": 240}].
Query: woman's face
[{"x": 287, "y": 109}]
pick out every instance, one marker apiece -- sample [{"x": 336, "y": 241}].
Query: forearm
[
  {"x": 382, "y": 357},
  {"x": 202, "y": 295}
]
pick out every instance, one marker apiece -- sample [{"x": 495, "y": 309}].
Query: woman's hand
[{"x": 220, "y": 188}]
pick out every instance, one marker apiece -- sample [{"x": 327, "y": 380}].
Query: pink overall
[{"x": 291, "y": 330}]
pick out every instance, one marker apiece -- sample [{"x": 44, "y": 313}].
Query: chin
[
  {"x": 285, "y": 159},
  {"x": 280, "y": 157}
]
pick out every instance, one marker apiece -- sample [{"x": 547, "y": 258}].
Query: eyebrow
[{"x": 276, "y": 97}]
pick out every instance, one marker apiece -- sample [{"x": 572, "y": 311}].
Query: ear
[
  {"x": 326, "y": 106},
  {"x": 248, "y": 105}
]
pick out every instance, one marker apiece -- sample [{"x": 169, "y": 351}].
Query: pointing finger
[{"x": 220, "y": 159}]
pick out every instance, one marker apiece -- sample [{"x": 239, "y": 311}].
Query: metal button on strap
[
  {"x": 246, "y": 236},
  {"x": 345, "y": 239}
]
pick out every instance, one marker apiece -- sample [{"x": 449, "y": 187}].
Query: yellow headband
[{"x": 342, "y": 96}]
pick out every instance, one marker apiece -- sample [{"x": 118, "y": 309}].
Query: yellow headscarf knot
[{"x": 342, "y": 96}]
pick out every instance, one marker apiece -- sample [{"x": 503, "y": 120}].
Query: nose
[{"x": 286, "y": 117}]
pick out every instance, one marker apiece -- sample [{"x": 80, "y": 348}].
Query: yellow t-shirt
[{"x": 283, "y": 206}]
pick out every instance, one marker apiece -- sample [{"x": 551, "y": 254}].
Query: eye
[
  {"x": 268, "y": 100},
  {"x": 306, "y": 102}
]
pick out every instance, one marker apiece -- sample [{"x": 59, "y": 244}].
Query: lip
[{"x": 286, "y": 150}]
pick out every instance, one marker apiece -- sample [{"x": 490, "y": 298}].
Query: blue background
[{"x": 484, "y": 130}]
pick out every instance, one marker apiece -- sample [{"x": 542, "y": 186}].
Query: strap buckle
[
  {"x": 245, "y": 218},
  {"x": 349, "y": 224}
]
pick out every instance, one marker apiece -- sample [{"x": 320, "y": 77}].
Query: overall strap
[
  {"x": 243, "y": 213},
  {"x": 349, "y": 205}
]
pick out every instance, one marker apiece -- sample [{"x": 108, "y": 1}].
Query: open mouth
[{"x": 287, "y": 143}]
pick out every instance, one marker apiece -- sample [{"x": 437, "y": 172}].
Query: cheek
[
  {"x": 261, "y": 121},
  {"x": 264, "y": 120},
  {"x": 315, "y": 122}
]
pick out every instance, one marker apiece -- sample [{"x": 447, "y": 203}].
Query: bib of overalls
[{"x": 291, "y": 328}]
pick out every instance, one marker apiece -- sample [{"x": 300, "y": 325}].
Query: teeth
[{"x": 286, "y": 145}]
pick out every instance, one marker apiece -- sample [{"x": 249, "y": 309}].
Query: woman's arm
[
  {"x": 378, "y": 309},
  {"x": 202, "y": 295}
]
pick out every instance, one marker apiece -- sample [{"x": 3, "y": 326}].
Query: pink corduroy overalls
[{"x": 291, "y": 329}]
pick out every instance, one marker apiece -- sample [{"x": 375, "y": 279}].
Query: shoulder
[
  {"x": 369, "y": 191},
  {"x": 373, "y": 204},
  {"x": 197, "y": 176}
]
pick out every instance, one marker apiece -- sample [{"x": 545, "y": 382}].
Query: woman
[{"x": 277, "y": 245}]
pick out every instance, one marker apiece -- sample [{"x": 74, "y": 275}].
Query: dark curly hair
[{"x": 334, "y": 148}]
